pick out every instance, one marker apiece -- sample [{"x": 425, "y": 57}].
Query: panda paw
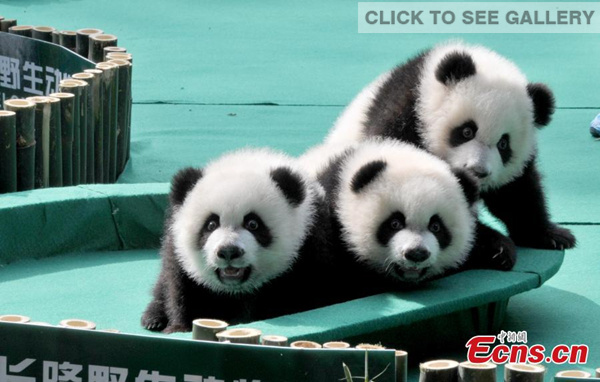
[
  {"x": 554, "y": 237},
  {"x": 501, "y": 254},
  {"x": 154, "y": 318},
  {"x": 174, "y": 328}
]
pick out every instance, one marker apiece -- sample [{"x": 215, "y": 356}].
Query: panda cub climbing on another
[
  {"x": 474, "y": 109},
  {"x": 397, "y": 210},
  {"x": 241, "y": 236}
]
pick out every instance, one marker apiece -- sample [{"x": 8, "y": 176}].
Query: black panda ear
[
  {"x": 291, "y": 184},
  {"x": 366, "y": 175},
  {"x": 455, "y": 67},
  {"x": 543, "y": 103},
  {"x": 469, "y": 185},
  {"x": 182, "y": 183}
]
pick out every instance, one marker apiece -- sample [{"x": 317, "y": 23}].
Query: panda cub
[
  {"x": 474, "y": 109},
  {"x": 240, "y": 237},
  {"x": 398, "y": 210}
]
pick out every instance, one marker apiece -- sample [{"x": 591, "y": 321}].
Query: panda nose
[
  {"x": 230, "y": 252},
  {"x": 417, "y": 255},
  {"x": 480, "y": 172}
]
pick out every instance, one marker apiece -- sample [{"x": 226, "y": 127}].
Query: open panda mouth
[
  {"x": 409, "y": 274},
  {"x": 233, "y": 275}
]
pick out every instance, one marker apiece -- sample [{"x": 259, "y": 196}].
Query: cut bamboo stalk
[
  {"x": 1, "y": 18},
  {"x": 16, "y": 318},
  {"x": 56, "y": 166},
  {"x": 77, "y": 90},
  {"x": 401, "y": 366},
  {"x": 67, "y": 113},
  {"x": 21, "y": 30},
  {"x": 124, "y": 95},
  {"x": 476, "y": 372},
  {"x": 369, "y": 347},
  {"x": 306, "y": 345},
  {"x": 25, "y": 123},
  {"x": 110, "y": 81},
  {"x": 56, "y": 37},
  {"x": 42, "y": 33},
  {"x": 42, "y": 139},
  {"x": 7, "y": 23},
  {"x": 97, "y": 112},
  {"x": 573, "y": 374},
  {"x": 120, "y": 56},
  {"x": 83, "y": 120},
  {"x": 204, "y": 329},
  {"x": 97, "y": 44},
  {"x": 336, "y": 345},
  {"x": 93, "y": 82},
  {"x": 83, "y": 40},
  {"x": 75, "y": 323},
  {"x": 68, "y": 39},
  {"x": 8, "y": 152},
  {"x": 271, "y": 340},
  {"x": 240, "y": 336},
  {"x": 519, "y": 372},
  {"x": 113, "y": 49},
  {"x": 598, "y": 372},
  {"x": 439, "y": 371}
]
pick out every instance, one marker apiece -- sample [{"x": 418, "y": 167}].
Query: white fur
[
  {"x": 231, "y": 187},
  {"x": 417, "y": 184}
]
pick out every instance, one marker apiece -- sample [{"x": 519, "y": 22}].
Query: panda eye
[
  {"x": 396, "y": 225},
  {"x": 435, "y": 227},
  {"x": 503, "y": 143},
  {"x": 468, "y": 133},
  {"x": 252, "y": 225},
  {"x": 212, "y": 225}
]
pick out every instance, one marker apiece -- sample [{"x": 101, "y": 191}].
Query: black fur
[
  {"x": 543, "y": 103},
  {"x": 290, "y": 184},
  {"x": 205, "y": 232},
  {"x": 443, "y": 235},
  {"x": 385, "y": 231},
  {"x": 457, "y": 136},
  {"x": 492, "y": 250},
  {"x": 506, "y": 153},
  {"x": 468, "y": 184},
  {"x": 262, "y": 233},
  {"x": 455, "y": 67},
  {"x": 366, "y": 174},
  {"x": 182, "y": 183}
]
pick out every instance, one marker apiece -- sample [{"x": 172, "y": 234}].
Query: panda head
[
  {"x": 479, "y": 113},
  {"x": 403, "y": 212},
  {"x": 240, "y": 221}
]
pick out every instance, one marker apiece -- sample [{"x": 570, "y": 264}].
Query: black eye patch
[
  {"x": 504, "y": 148},
  {"x": 463, "y": 133},
  {"x": 254, "y": 224},
  {"x": 209, "y": 226},
  {"x": 440, "y": 231},
  {"x": 390, "y": 226}
]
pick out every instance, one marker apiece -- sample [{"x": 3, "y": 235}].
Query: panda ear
[
  {"x": 543, "y": 103},
  {"x": 366, "y": 175},
  {"x": 468, "y": 184},
  {"x": 291, "y": 184},
  {"x": 455, "y": 67},
  {"x": 182, "y": 184}
]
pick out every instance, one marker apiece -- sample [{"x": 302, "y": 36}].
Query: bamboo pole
[
  {"x": 240, "y": 336},
  {"x": 93, "y": 82},
  {"x": 574, "y": 374},
  {"x": 8, "y": 152},
  {"x": 83, "y": 40},
  {"x": 124, "y": 95},
  {"x": 369, "y": 347},
  {"x": 271, "y": 340},
  {"x": 119, "y": 56},
  {"x": 7, "y": 23},
  {"x": 204, "y": 329},
  {"x": 336, "y": 345},
  {"x": 439, "y": 371},
  {"x": 598, "y": 372},
  {"x": 75, "y": 323},
  {"x": 25, "y": 126},
  {"x": 67, "y": 120},
  {"x": 42, "y": 33},
  {"x": 21, "y": 30},
  {"x": 83, "y": 129},
  {"x": 306, "y": 345},
  {"x": 56, "y": 37},
  {"x": 126, "y": 57},
  {"x": 42, "y": 139},
  {"x": 15, "y": 318},
  {"x": 68, "y": 39},
  {"x": 113, "y": 49},
  {"x": 97, "y": 95},
  {"x": 97, "y": 44},
  {"x": 55, "y": 157},
  {"x": 476, "y": 372},
  {"x": 77, "y": 91},
  {"x": 110, "y": 81},
  {"x": 401, "y": 366},
  {"x": 519, "y": 372}
]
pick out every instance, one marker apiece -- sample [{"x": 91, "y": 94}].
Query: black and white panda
[
  {"x": 240, "y": 238},
  {"x": 476, "y": 110},
  {"x": 399, "y": 210}
]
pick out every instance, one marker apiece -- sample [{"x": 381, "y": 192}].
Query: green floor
[{"x": 214, "y": 76}]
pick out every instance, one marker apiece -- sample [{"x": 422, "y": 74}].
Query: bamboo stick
[
  {"x": 240, "y": 336},
  {"x": 42, "y": 139},
  {"x": 127, "y": 57},
  {"x": 97, "y": 44},
  {"x": 98, "y": 125},
  {"x": 8, "y": 152},
  {"x": 336, "y": 345},
  {"x": 42, "y": 33},
  {"x": 83, "y": 40},
  {"x": 119, "y": 56},
  {"x": 67, "y": 120},
  {"x": 401, "y": 366},
  {"x": 113, "y": 49},
  {"x": 7, "y": 23},
  {"x": 439, "y": 371},
  {"x": 519, "y": 372},
  {"x": 369, "y": 347},
  {"x": 1, "y": 18},
  {"x": 476, "y": 372},
  {"x": 77, "y": 91},
  {"x": 124, "y": 95},
  {"x": 271, "y": 340},
  {"x": 573, "y": 374},
  {"x": 206, "y": 329},
  {"x": 83, "y": 129},
  {"x": 15, "y": 318},
  {"x": 598, "y": 372},
  {"x": 25, "y": 126},
  {"x": 68, "y": 39},
  {"x": 93, "y": 82},
  {"x": 21, "y": 30},
  {"x": 55, "y": 157},
  {"x": 110, "y": 81},
  {"x": 56, "y": 37},
  {"x": 75, "y": 323},
  {"x": 306, "y": 345}
]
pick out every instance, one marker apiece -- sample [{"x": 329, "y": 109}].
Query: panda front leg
[
  {"x": 491, "y": 250},
  {"x": 155, "y": 316},
  {"x": 521, "y": 205}
]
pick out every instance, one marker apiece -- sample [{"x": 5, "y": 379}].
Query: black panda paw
[
  {"x": 554, "y": 237},
  {"x": 501, "y": 254},
  {"x": 154, "y": 318}
]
